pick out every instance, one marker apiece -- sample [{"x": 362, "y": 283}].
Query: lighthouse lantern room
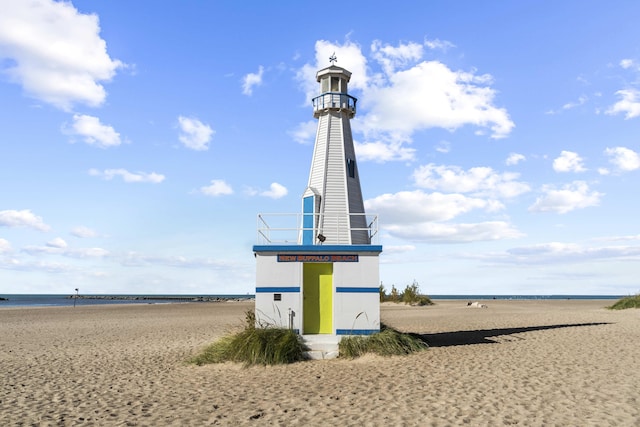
[{"x": 317, "y": 271}]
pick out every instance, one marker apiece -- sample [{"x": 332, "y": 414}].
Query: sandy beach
[{"x": 525, "y": 363}]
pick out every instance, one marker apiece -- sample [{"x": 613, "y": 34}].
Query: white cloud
[
  {"x": 93, "y": 132},
  {"x": 418, "y": 206},
  {"x": 581, "y": 101},
  {"x": 56, "y": 53},
  {"x": 398, "y": 249},
  {"x": 558, "y": 252},
  {"x": 455, "y": 233},
  {"x": 390, "y": 58},
  {"x": 5, "y": 246},
  {"x": 251, "y": 80},
  {"x": 349, "y": 56},
  {"x": 381, "y": 152},
  {"x": 276, "y": 191},
  {"x": 576, "y": 195},
  {"x": 408, "y": 96},
  {"x": 628, "y": 63},
  {"x": 109, "y": 174},
  {"x": 58, "y": 243},
  {"x": 514, "y": 159},
  {"x": 479, "y": 181},
  {"x": 629, "y": 104},
  {"x": 23, "y": 218},
  {"x": 443, "y": 147},
  {"x": 217, "y": 188},
  {"x": 623, "y": 158},
  {"x": 83, "y": 232},
  {"x": 438, "y": 44},
  {"x": 431, "y": 95},
  {"x": 195, "y": 134},
  {"x": 304, "y": 133},
  {"x": 569, "y": 162}
]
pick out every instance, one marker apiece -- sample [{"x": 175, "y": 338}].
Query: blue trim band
[
  {"x": 267, "y": 289},
  {"x": 358, "y": 290},
  {"x": 357, "y": 331},
  {"x": 317, "y": 248}
]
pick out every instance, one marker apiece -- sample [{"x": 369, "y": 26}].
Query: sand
[{"x": 525, "y": 363}]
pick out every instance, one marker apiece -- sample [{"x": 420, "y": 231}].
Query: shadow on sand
[{"x": 483, "y": 336}]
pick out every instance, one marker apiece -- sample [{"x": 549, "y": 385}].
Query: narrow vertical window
[{"x": 351, "y": 168}]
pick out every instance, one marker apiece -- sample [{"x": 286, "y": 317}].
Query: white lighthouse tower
[{"x": 321, "y": 276}]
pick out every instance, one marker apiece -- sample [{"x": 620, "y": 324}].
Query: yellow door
[{"x": 317, "y": 294}]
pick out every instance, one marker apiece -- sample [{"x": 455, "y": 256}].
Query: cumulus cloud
[
  {"x": 418, "y": 206},
  {"x": 381, "y": 152},
  {"x": 514, "y": 159},
  {"x": 568, "y": 161},
  {"x": 276, "y": 191},
  {"x": 93, "y": 132},
  {"x": 479, "y": 181},
  {"x": 55, "y": 52},
  {"x": 217, "y": 188},
  {"x": 194, "y": 134},
  {"x": 251, "y": 80},
  {"x": 109, "y": 174},
  {"x": 576, "y": 195},
  {"x": 629, "y": 104},
  {"x": 23, "y": 218},
  {"x": 430, "y": 95},
  {"x": 407, "y": 95},
  {"x": 623, "y": 158}
]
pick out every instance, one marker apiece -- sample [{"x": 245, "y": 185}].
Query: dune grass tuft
[
  {"x": 255, "y": 346},
  {"x": 632, "y": 301},
  {"x": 387, "y": 342}
]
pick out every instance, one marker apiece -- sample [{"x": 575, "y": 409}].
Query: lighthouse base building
[{"x": 317, "y": 272}]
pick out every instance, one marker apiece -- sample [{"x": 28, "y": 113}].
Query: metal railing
[
  {"x": 336, "y": 229},
  {"x": 336, "y": 100}
]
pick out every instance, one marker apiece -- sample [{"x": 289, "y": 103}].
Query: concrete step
[{"x": 321, "y": 346}]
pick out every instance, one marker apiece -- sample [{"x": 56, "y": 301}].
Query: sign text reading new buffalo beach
[{"x": 317, "y": 258}]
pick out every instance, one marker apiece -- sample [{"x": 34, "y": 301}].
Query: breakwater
[{"x": 165, "y": 298}]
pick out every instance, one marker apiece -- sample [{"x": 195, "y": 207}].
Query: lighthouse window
[
  {"x": 335, "y": 84},
  {"x": 351, "y": 168},
  {"x": 325, "y": 85}
]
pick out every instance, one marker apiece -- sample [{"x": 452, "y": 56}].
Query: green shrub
[
  {"x": 387, "y": 342},
  {"x": 626, "y": 302},
  {"x": 411, "y": 295},
  {"x": 255, "y": 346}
]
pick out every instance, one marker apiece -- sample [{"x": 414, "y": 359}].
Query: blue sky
[{"x": 498, "y": 141}]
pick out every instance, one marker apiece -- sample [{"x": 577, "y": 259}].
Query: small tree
[
  {"x": 383, "y": 293},
  {"x": 394, "y": 296}
]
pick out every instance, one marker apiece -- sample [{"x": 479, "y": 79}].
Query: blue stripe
[
  {"x": 357, "y": 331},
  {"x": 317, "y": 248},
  {"x": 278, "y": 289},
  {"x": 358, "y": 290}
]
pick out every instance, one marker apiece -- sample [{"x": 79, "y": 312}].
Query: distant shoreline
[{"x": 185, "y": 298}]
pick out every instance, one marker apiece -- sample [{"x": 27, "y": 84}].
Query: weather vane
[{"x": 333, "y": 58}]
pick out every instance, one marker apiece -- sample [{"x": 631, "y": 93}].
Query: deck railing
[
  {"x": 336, "y": 100},
  {"x": 289, "y": 229}
]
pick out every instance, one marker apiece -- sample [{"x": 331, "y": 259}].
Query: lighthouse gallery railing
[{"x": 288, "y": 228}]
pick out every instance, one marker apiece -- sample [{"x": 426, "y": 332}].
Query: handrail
[{"x": 288, "y": 229}]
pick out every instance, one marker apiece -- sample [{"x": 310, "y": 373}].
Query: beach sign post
[{"x": 317, "y": 271}]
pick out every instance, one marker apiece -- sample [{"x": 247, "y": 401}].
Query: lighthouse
[{"x": 317, "y": 271}]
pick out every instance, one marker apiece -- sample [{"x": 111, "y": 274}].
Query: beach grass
[
  {"x": 632, "y": 301},
  {"x": 254, "y": 346},
  {"x": 388, "y": 342}
]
